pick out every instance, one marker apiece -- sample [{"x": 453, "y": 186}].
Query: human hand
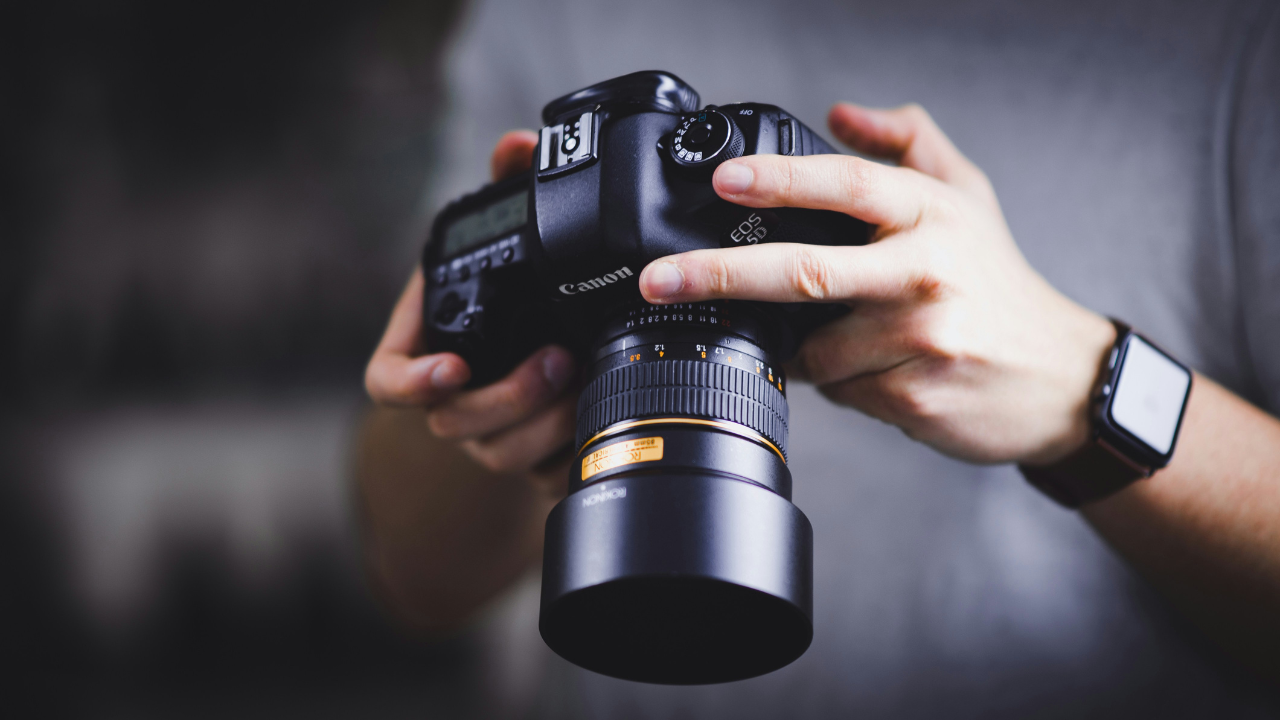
[
  {"x": 523, "y": 423},
  {"x": 953, "y": 337}
]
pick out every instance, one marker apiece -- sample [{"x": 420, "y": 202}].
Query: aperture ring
[{"x": 683, "y": 388}]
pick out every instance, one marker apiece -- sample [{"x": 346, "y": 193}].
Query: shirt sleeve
[{"x": 1255, "y": 206}]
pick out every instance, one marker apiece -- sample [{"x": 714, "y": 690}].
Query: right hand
[{"x": 522, "y": 424}]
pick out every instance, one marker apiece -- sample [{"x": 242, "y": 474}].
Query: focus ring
[{"x": 683, "y": 388}]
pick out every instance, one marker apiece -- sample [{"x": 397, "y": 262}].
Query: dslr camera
[{"x": 677, "y": 556}]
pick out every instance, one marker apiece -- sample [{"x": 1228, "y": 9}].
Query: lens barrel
[{"x": 677, "y": 556}]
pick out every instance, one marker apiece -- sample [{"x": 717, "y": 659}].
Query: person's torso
[{"x": 944, "y": 589}]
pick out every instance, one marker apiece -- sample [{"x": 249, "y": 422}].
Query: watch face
[{"x": 1149, "y": 395}]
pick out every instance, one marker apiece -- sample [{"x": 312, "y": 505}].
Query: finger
[
  {"x": 879, "y": 194},
  {"x": 903, "y": 396},
  {"x": 871, "y": 395},
  {"x": 394, "y": 376},
  {"x": 550, "y": 473},
  {"x": 529, "y": 388},
  {"x": 789, "y": 272},
  {"x": 513, "y": 153},
  {"x": 402, "y": 381},
  {"x": 868, "y": 340},
  {"x": 906, "y": 135},
  {"x": 404, "y": 330},
  {"x": 526, "y": 445}
]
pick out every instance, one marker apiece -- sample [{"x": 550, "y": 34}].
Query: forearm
[
  {"x": 442, "y": 535},
  {"x": 1206, "y": 529}
]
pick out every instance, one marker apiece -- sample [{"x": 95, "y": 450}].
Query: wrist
[{"x": 1083, "y": 365}]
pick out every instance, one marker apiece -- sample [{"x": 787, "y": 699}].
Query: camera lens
[
  {"x": 677, "y": 556},
  {"x": 662, "y": 370}
]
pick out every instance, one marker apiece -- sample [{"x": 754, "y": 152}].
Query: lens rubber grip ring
[{"x": 685, "y": 388}]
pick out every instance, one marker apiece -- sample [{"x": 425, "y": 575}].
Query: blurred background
[{"x": 208, "y": 212}]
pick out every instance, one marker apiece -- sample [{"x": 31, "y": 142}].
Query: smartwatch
[{"x": 1136, "y": 412}]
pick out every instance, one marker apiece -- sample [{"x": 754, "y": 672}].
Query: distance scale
[{"x": 701, "y": 352}]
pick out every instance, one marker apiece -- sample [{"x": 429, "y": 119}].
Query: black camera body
[
  {"x": 677, "y": 556},
  {"x": 547, "y": 255}
]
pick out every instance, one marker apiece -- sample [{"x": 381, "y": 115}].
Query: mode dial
[{"x": 705, "y": 139}]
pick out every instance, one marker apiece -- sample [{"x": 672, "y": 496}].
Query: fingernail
[
  {"x": 733, "y": 178},
  {"x": 557, "y": 367},
  {"x": 447, "y": 375},
  {"x": 662, "y": 279}
]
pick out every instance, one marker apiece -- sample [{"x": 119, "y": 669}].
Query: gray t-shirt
[{"x": 1135, "y": 147}]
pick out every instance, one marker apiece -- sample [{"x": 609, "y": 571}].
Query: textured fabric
[
  {"x": 1254, "y": 201},
  {"x": 1135, "y": 149}
]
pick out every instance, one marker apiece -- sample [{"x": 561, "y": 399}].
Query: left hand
[{"x": 953, "y": 337}]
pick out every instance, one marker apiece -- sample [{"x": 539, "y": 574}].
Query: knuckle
[
  {"x": 981, "y": 185},
  {"x": 904, "y": 399},
  {"x": 806, "y": 363},
  {"x": 495, "y": 458},
  {"x": 512, "y": 394},
  {"x": 373, "y": 382},
  {"x": 915, "y": 340},
  {"x": 918, "y": 116},
  {"x": 855, "y": 177},
  {"x": 980, "y": 177},
  {"x": 812, "y": 275},
  {"x": 386, "y": 387},
  {"x": 936, "y": 336},
  {"x": 839, "y": 393},
  {"x": 787, "y": 179},
  {"x": 520, "y": 394},
  {"x": 861, "y": 393},
  {"x": 819, "y": 362},
  {"x": 933, "y": 266},
  {"x": 947, "y": 344},
  {"x": 943, "y": 206},
  {"x": 956, "y": 204},
  {"x": 928, "y": 271},
  {"x": 718, "y": 275},
  {"x": 444, "y": 424},
  {"x": 564, "y": 420},
  {"x": 781, "y": 179}
]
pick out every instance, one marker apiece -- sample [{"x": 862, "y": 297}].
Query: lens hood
[{"x": 677, "y": 578}]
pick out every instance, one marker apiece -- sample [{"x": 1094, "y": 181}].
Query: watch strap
[{"x": 1091, "y": 473}]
